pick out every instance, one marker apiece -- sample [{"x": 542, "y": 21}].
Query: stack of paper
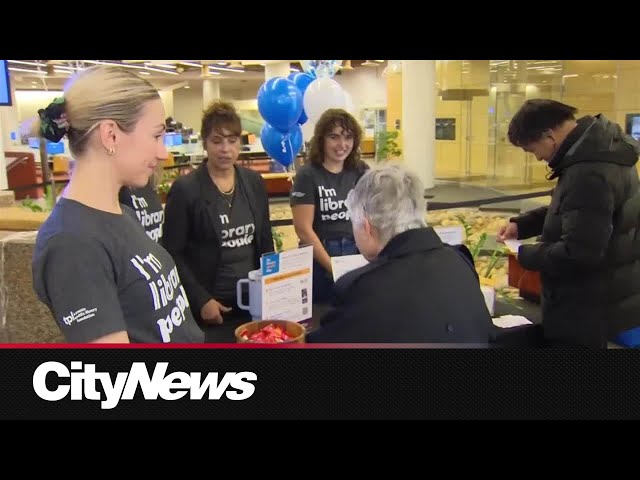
[
  {"x": 509, "y": 321},
  {"x": 342, "y": 265},
  {"x": 513, "y": 245}
]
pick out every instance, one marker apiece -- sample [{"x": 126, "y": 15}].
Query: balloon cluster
[{"x": 286, "y": 104}]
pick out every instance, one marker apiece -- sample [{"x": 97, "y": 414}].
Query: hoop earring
[{"x": 111, "y": 151}]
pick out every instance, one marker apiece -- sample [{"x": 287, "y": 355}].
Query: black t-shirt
[
  {"x": 315, "y": 185},
  {"x": 238, "y": 245},
  {"x": 99, "y": 273},
  {"x": 147, "y": 207}
]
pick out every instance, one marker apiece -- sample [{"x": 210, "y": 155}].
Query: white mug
[
  {"x": 255, "y": 294},
  {"x": 489, "y": 294}
]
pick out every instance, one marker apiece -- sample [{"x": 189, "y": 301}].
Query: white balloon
[
  {"x": 349, "y": 103},
  {"x": 321, "y": 95}
]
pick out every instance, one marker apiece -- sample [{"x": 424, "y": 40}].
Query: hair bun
[{"x": 53, "y": 120}]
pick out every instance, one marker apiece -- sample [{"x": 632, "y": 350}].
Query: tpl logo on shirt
[{"x": 79, "y": 315}]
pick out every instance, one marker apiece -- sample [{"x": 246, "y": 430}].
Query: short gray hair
[{"x": 391, "y": 198}]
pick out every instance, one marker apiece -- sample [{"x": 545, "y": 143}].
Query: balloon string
[{"x": 290, "y": 149}]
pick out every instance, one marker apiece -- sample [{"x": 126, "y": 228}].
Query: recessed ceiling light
[{"x": 226, "y": 69}]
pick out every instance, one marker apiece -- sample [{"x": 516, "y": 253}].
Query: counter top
[
  {"x": 23, "y": 318},
  {"x": 21, "y": 219}
]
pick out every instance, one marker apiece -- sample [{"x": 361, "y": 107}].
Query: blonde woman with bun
[
  {"x": 217, "y": 225},
  {"x": 94, "y": 266}
]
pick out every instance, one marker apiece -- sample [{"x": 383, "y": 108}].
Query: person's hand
[
  {"x": 211, "y": 312},
  {"x": 508, "y": 232}
]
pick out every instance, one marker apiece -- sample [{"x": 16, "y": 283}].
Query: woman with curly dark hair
[{"x": 320, "y": 188}]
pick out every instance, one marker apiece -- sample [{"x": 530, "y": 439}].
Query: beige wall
[
  {"x": 627, "y": 98},
  {"x": 187, "y": 106},
  {"x": 167, "y": 101},
  {"x": 451, "y": 155},
  {"x": 29, "y": 102},
  {"x": 366, "y": 85},
  {"x": 394, "y": 103},
  {"x": 594, "y": 86}
]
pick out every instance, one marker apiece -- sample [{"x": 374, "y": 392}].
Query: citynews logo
[{"x": 84, "y": 378}]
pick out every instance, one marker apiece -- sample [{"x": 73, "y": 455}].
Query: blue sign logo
[{"x": 270, "y": 264}]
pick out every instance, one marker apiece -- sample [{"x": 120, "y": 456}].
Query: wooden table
[{"x": 278, "y": 183}]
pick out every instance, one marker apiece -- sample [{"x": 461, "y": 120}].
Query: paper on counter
[
  {"x": 509, "y": 321},
  {"x": 453, "y": 235},
  {"x": 342, "y": 265},
  {"x": 513, "y": 245}
]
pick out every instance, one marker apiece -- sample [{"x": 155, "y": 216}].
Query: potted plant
[
  {"x": 46, "y": 204},
  {"x": 490, "y": 285},
  {"x": 278, "y": 237},
  {"x": 168, "y": 176},
  {"x": 163, "y": 190},
  {"x": 387, "y": 145}
]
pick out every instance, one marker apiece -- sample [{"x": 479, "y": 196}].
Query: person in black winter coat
[
  {"x": 415, "y": 289},
  {"x": 589, "y": 252}
]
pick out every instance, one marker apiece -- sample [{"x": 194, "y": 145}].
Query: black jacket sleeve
[
  {"x": 586, "y": 213},
  {"x": 175, "y": 239},
  {"x": 339, "y": 323},
  {"x": 349, "y": 312},
  {"x": 530, "y": 223}
]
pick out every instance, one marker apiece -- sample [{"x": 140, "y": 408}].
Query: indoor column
[{"x": 418, "y": 118}]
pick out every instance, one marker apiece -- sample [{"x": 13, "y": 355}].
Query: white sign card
[
  {"x": 346, "y": 263},
  {"x": 513, "y": 245},
  {"x": 453, "y": 235},
  {"x": 287, "y": 285}
]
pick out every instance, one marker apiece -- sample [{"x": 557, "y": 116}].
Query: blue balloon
[
  {"x": 302, "y": 81},
  {"x": 282, "y": 147},
  {"x": 280, "y": 103},
  {"x": 321, "y": 68}
]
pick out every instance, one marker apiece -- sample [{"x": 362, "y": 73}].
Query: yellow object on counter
[
  {"x": 21, "y": 219},
  {"x": 60, "y": 164},
  {"x": 268, "y": 176}
]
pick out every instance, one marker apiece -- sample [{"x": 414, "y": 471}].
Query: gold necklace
[{"x": 226, "y": 195}]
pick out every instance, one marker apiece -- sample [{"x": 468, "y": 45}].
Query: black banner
[{"x": 318, "y": 383}]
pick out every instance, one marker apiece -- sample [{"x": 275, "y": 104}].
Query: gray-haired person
[{"x": 415, "y": 288}]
